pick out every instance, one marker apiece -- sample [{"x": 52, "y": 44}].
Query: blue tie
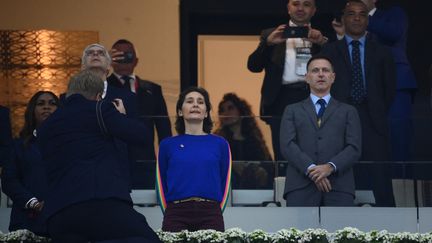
[
  {"x": 358, "y": 92},
  {"x": 321, "y": 110}
]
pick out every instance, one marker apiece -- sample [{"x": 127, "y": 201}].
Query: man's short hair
[
  {"x": 317, "y": 57},
  {"x": 87, "y": 83},
  {"x": 122, "y": 41},
  {"x": 353, "y": 1}
]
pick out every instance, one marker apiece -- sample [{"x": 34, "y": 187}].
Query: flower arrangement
[
  {"x": 236, "y": 235},
  {"x": 22, "y": 236}
]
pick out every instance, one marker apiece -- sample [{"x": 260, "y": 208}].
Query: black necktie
[
  {"x": 321, "y": 110},
  {"x": 358, "y": 92},
  {"x": 126, "y": 80}
]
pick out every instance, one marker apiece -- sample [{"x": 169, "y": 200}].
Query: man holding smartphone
[
  {"x": 283, "y": 53},
  {"x": 151, "y": 110}
]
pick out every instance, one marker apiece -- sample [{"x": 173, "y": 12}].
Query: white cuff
[{"x": 30, "y": 203}]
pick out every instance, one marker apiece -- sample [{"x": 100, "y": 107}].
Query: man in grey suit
[{"x": 320, "y": 138}]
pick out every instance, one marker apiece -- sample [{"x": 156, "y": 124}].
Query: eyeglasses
[{"x": 95, "y": 52}]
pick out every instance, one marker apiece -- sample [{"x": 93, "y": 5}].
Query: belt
[{"x": 193, "y": 199}]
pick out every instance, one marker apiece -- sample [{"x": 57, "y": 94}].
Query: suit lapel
[
  {"x": 331, "y": 107},
  {"x": 368, "y": 59},
  {"x": 309, "y": 107},
  {"x": 343, "y": 49},
  {"x": 279, "y": 53}
]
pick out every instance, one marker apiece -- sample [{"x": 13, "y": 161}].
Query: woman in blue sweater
[
  {"x": 23, "y": 177},
  {"x": 194, "y": 168}
]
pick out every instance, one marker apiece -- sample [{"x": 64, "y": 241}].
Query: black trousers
[{"x": 100, "y": 220}]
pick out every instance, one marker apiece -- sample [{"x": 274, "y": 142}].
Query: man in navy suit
[
  {"x": 388, "y": 24},
  {"x": 321, "y": 140},
  {"x": 88, "y": 184},
  {"x": 151, "y": 110},
  {"x": 96, "y": 57},
  {"x": 372, "y": 93}
]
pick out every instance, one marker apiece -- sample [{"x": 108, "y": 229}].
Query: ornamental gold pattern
[{"x": 34, "y": 60}]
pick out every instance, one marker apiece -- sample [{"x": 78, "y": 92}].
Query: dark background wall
[{"x": 249, "y": 17}]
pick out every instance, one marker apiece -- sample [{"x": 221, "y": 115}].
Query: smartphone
[
  {"x": 128, "y": 57},
  {"x": 296, "y": 32}
]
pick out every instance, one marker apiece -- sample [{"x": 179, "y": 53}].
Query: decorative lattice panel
[{"x": 37, "y": 60}]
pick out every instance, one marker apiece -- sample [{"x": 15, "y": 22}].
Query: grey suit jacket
[{"x": 337, "y": 140}]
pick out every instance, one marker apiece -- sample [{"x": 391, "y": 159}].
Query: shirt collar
[
  {"x": 362, "y": 39},
  {"x": 316, "y": 98},
  {"x": 372, "y": 12},
  {"x": 105, "y": 89},
  {"x": 292, "y": 24},
  {"x": 121, "y": 80}
]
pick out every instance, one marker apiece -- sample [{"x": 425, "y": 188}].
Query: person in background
[
  {"x": 97, "y": 59},
  {"x": 194, "y": 168},
  {"x": 321, "y": 140},
  {"x": 88, "y": 177},
  {"x": 23, "y": 178},
  {"x": 366, "y": 78},
  {"x": 151, "y": 110},
  {"x": 388, "y": 24},
  {"x": 237, "y": 124},
  {"x": 284, "y": 62}
]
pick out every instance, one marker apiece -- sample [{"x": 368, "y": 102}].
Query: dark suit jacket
[
  {"x": 24, "y": 178},
  {"x": 380, "y": 77},
  {"x": 113, "y": 92},
  {"x": 82, "y": 162},
  {"x": 337, "y": 140},
  {"x": 129, "y": 102},
  {"x": 390, "y": 27},
  {"x": 151, "y": 109},
  {"x": 5, "y": 135},
  {"x": 272, "y": 60}
]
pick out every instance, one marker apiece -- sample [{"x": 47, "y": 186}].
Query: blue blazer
[
  {"x": 129, "y": 102},
  {"x": 5, "y": 135},
  {"x": 390, "y": 27},
  {"x": 24, "y": 178},
  {"x": 82, "y": 162}
]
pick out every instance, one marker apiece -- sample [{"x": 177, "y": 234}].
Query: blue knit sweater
[{"x": 194, "y": 166}]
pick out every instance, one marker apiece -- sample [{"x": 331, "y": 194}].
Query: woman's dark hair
[
  {"x": 207, "y": 123},
  {"x": 249, "y": 127},
  {"x": 29, "y": 116}
]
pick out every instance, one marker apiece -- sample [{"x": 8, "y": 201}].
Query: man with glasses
[{"x": 96, "y": 58}]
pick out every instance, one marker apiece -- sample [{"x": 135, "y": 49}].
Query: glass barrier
[
  {"x": 256, "y": 168},
  {"x": 259, "y": 168}
]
